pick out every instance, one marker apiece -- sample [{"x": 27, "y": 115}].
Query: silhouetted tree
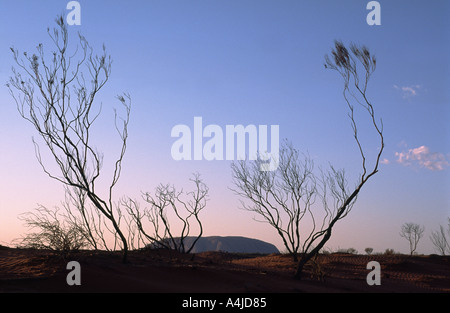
[
  {"x": 439, "y": 239},
  {"x": 282, "y": 197},
  {"x": 184, "y": 209},
  {"x": 412, "y": 232},
  {"x": 285, "y": 196},
  {"x": 54, "y": 94},
  {"x": 368, "y": 251}
]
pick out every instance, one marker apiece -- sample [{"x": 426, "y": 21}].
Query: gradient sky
[{"x": 251, "y": 62}]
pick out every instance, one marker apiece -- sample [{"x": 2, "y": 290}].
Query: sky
[{"x": 252, "y": 63}]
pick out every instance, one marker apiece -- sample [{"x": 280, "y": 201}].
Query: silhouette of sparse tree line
[{"x": 55, "y": 92}]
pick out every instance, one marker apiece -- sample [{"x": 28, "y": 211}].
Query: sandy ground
[{"x": 161, "y": 271}]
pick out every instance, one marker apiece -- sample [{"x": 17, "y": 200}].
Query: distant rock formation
[{"x": 234, "y": 244}]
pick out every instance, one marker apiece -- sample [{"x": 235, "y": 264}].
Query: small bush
[
  {"x": 349, "y": 251},
  {"x": 389, "y": 252},
  {"x": 52, "y": 233},
  {"x": 352, "y": 251}
]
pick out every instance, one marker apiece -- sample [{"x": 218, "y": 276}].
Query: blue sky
[{"x": 260, "y": 63}]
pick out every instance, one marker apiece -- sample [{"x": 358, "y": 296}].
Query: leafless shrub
[
  {"x": 51, "y": 232},
  {"x": 183, "y": 208}
]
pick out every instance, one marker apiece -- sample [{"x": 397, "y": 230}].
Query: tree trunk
[
  {"x": 124, "y": 241},
  {"x": 306, "y": 257}
]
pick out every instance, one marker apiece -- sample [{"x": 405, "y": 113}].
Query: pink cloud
[
  {"x": 424, "y": 158},
  {"x": 385, "y": 161}
]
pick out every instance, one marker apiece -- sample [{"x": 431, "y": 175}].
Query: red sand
[{"x": 161, "y": 271}]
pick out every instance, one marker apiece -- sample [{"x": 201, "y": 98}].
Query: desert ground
[{"x": 162, "y": 271}]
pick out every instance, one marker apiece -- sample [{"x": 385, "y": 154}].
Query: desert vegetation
[
  {"x": 285, "y": 198},
  {"x": 57, "y": 97},
  {"x": 56, "y": 92},
  {"x": 166, "y": 198},
  {"x": 440, "y": 240},
  {"x": 413, "y": 233}
]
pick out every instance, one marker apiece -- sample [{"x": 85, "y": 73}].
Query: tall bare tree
[
  {"x": 54, "y": 94},
  {"x": 413, "y": 233},
  {"x": 292, "y": 189}
]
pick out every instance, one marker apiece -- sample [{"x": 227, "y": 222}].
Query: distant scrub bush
[
  {"x": 389, "y": 252},
  {"x": 348, "y": 250},
  {"x": 368, "y": 251}
]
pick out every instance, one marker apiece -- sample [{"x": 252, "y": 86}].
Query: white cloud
[
  {"x": 422, "y": 157},
  {"x": 408, "y": 91}
]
